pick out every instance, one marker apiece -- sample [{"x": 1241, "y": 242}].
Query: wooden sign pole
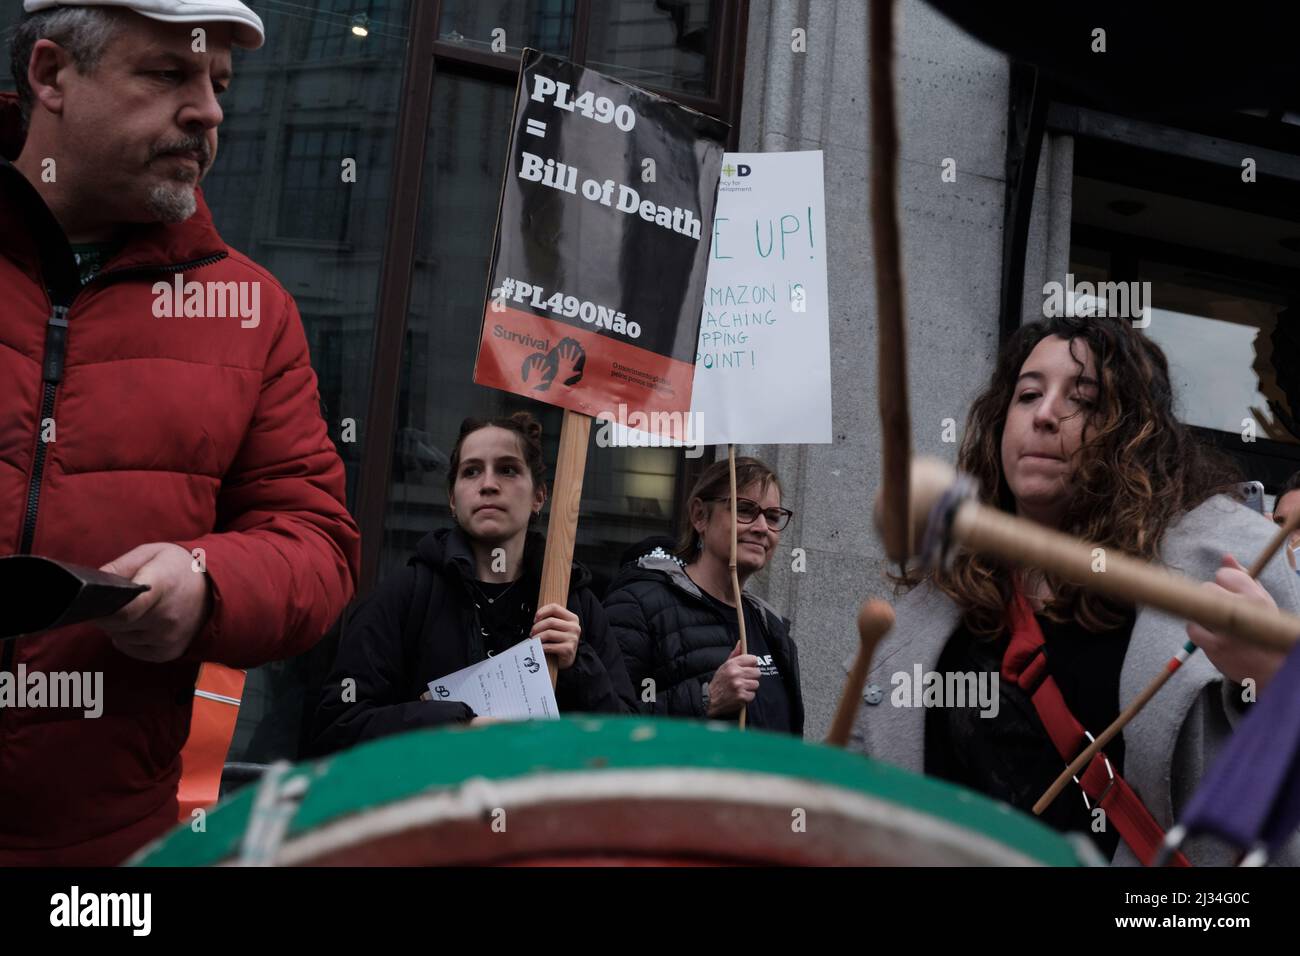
[
  {"x": 891, "y": 339},
  {"x": 562, "y": 530},
  {"x": 735, "y": 577}
]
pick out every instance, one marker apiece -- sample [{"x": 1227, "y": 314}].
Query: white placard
[
  {"x": 513, "y": 685},
  {"x": 762, "y": 365}
]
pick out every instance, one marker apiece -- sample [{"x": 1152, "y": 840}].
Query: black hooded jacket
[
  {"x": 392, "y": 664},
  {"x": 672, "y": 635}
]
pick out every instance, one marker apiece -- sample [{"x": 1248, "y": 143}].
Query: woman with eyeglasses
[{"x": 675, "y": 618}]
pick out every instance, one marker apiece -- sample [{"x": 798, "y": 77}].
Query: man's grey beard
[{"x": 172, "y": 201}]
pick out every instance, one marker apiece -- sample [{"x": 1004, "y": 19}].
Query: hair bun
[{"x": 531, "y": 426}]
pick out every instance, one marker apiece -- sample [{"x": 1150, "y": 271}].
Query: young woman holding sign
[
  {"x": 1077, "y": 432},
  {"x": 470, "y": 592},
  {"x": 675, "y": 617}
]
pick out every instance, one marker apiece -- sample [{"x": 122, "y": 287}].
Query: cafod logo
[
  {"x": 531, "y": 663},
  {"x": 741, "y": 170},
  {"x": 441, "y": 691}
]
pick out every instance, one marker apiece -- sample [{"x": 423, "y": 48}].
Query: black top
[
  {"x": 432, "y": 619},
  {"x": 91, "y": 257},
  {"x": 673, "y": 640},
  {"x": 505, "y": 613},
  {"x": 770, "y": 708},
  {"x": 1010, "y": 756}
]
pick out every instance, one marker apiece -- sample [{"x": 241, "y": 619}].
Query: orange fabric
[{"x": 212, "y": 726}]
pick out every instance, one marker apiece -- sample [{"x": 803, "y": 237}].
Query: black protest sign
[{"x": 601, "y": 254}]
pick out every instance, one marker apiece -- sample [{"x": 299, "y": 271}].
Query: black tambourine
[{"x": 39, "y": 594}]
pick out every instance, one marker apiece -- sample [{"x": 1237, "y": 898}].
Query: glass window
[
  {"x": 239, "y": 162},
  {"x": 545, "y": 25},
  {"x": 1220, "y": 267},
  {"x": 10, "y": 14},
  {"x": 1089, "y": 265},
  {"x": 310, "y": 206},
  {"x": 628, "y": 492},
  {"x": 1220, "y": 336},
  {"x": 666, "y": 44},
  {"x": 331, "y": 27}
]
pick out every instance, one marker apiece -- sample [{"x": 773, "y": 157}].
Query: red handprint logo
[
  {"x": 568, "y": 359},
  {"x": 539, "y": 368}
]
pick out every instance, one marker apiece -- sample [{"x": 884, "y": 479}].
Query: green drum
[{"x": 616, "y": 791}]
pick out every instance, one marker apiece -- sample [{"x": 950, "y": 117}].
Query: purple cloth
[{"x": 1251, "y": 794}]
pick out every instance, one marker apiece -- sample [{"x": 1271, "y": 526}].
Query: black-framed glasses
[{"x": 747, "y": 512}]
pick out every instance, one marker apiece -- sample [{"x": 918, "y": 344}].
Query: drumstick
[
  {"x": 874, "y": 621},
  {"x": 891, "y": 340},
  {"x": 1107, "y": 735},
  {"x": 1019, "y": 542},
  {"x": 735, "y": 577},
  {"x": 1133, "y": 709}
]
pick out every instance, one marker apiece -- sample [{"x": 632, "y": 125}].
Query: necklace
[{"x": 493, "y": 600}]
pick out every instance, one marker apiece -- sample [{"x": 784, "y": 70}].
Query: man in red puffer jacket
[{"x": 175, "y": 440}]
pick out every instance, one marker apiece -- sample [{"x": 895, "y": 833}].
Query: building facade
[{"x": 1006, "y": 185}]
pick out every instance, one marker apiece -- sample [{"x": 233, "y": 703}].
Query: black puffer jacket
[
  {"x": 670, "y": 633},
  {"x": 392, "y": 667}
]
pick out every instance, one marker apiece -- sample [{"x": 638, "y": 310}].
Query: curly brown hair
[{"x": 1139, "y": 468}]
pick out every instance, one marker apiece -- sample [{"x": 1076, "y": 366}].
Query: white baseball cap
[{"x": 248, "y": 25}]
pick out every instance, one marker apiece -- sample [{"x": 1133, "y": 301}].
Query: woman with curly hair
[{"x": 1077, "y": 432}]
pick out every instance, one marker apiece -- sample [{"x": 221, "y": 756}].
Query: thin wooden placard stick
[
  {"x": 874, "y": 621},
  {"x": 891, "y": 340},
  {"x": 735, "y": 577},
  {"x": 562, "y": 529},
  {"x": 1133, "y": 709},
  {"x": 1107, "y": 735},
  {"x": 1288, "y": 528}
]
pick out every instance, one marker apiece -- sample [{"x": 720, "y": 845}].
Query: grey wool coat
[{"x": 1169, "y": 745}]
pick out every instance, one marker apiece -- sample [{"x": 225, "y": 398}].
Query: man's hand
[
  {"x": 1235, "y": 658},
  {"x": 159, "y": 624},
  {"x": 734, "y": 684},
  {"x": 560, "y": 632}
]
